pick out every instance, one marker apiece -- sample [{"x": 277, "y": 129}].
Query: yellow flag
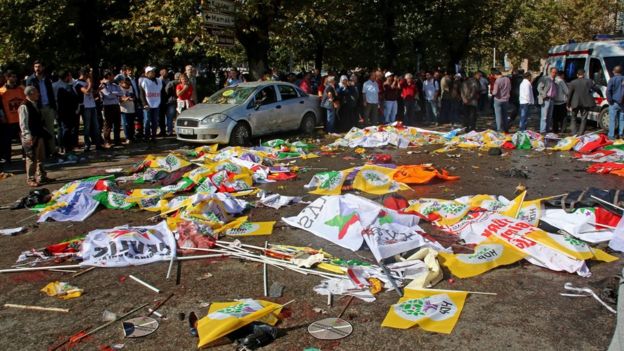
[
  {"x": 570, "y": 246},
  {"x": 328, "y": 183},
  {"x": 435, "y": 311},
  {"x": 489, "y": 254},
  {"x": 531, "y": 212},
  {"x": 442, "y": 212},
  {"x": 377, "y": 180},
  {"x": 251, "y": 229},
  {"x": 513, "y": 209},
  {"x": 226, "y": 317}
]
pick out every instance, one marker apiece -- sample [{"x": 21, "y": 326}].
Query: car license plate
[{"x": 185, "y": 131}]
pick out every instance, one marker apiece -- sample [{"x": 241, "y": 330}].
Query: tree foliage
[{"x": 404, "y": 35}]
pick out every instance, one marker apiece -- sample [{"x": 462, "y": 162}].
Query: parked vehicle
[
  {"x": 236, "y": 114},
  {"x": 597, "y": 58}
]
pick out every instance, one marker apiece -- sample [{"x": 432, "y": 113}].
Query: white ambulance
[{"x": 597, "y": 58}]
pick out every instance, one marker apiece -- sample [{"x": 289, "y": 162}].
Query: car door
[
  {"x": 292, "y": 107},
  {"x": 264, "y": 111}
]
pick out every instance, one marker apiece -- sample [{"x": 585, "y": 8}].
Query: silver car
[{"x": 236, "y": 114}]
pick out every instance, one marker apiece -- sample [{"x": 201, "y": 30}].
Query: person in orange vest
[{"x": 12, "y": 96}]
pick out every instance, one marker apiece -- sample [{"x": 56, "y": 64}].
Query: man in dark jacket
[
  {"x": 615, "y": 98},
  {"x": 46, "y": 103},
  {"x": 580, "y": 100},
  {"x": 470, "y": 93},
  {"x": 33, "y": 137}
]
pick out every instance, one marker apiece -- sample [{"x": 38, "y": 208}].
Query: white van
[{"x": 597, "y": 58}]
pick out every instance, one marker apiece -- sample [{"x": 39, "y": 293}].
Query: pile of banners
[
  {"x": 501, "y": 231},
  {"x": 522, "y": 140},
  {"x": 607, "y": 155},
  {"x": 375, "y": 179},
  {"x": 197, "y": 185},
  {"x": 394, "y": 134}
]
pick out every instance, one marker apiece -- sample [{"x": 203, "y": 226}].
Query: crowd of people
[
  {"x": 438, "y": 97},
  {"x": 44, "y": 112}
]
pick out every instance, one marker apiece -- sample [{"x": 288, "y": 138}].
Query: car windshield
[
  {"x": 231, "y": 95},
  {"x": 611, "y": 62}
]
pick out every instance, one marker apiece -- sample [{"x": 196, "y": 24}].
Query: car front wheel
[
  {"x": 240, "y": 135},
  {"x": 603, "y": 119},
  {"x": 308, "y": 123}
]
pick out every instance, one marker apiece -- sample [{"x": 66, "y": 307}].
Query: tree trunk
[
  {"x": 318, "y": 56},
  {"x": 390, "y": 47},
  {"x": 253, "y": 33}
]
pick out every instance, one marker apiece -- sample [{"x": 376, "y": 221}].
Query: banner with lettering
[
  {"x": 349, "y": 220},
  {"x": 127, "y": 246},
  {"x": 481, "y": 225},
  {"x": 432, "y": 310},
  {"x": 489, "y": 254}
]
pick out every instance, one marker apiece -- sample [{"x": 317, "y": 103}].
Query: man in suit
[
  {"x": 46, "y": 103},
  {"x": 546, "y": 93},
  {"x": 580, "y": 100}
]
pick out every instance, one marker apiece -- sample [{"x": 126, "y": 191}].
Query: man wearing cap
[
  {"x": 391, "y": 93},
  {"x": 151, "y": 89},
  {"x": 34, "y": 136}
]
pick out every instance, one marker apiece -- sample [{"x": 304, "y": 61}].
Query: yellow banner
[
  {"x": 377, "y": 180},
  {"x": 435, "y": 311},
  {"x": 226, "y": 317},
  {"x": 489, "y": 254}
]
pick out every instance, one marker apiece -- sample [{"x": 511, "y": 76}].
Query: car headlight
[{"x": 216, "y": 118}]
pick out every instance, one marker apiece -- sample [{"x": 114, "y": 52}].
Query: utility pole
[{"x": 494, "y": 59}]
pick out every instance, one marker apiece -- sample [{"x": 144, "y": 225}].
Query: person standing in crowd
[
  {"x": 526, "y": 99},
  {"x": 409, "y": 94},
  {"x": 357, "y": 111},
  {"x": 615, "y": 98},
  {"x": 446, "y": 84},
  {"x": 306, "y": 83},
  {"x": 83, "y": 87},
  {"x": 470, "y": 94},
  {"x": 162, "y": 110},
  {"x": 329, "y": 102},
  {"x": 12, "y": 96},
  {"x": 46, "y": 103},
  {"x": 34, "y": 136},
  {"x": 184, "y": 92},
  {"x": 456, "y": 103},
  {"x": 547, "y": 91},
  {"x": 128, "y": 73},
  {"x": 191, "y": 74},
  {"x": 514, "y": 98},
  {"x": 370, "y": 92},
  {"x": 110, "y": 94},
  {"x": 127, "y": 109},
  {"x": 392, "y": 92},
  {"x": 501, "y": 93},
  {"x": 581, "y": 100},
  {"x": 559, "y": 110},
  {"x": 68, "y": 112},
  {"x": 151, "y": 88},
  {"x": 483, "y": 91},
  {"x": 347, "y": 94},
  {"x": 172, "y": 101},
  {"x": 232, "y": 79},
  {"x": 431, "y": 89}
]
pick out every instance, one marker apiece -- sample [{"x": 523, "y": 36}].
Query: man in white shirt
[
  {"x": 526, "y": 100},
  {"x": 370, "y": 90},
  {"x": 431, "y": 89},
  {"x": 151, "y": 88}
]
